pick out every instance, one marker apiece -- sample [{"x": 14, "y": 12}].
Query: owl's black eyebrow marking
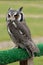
[{"x": 21, "y": 17}]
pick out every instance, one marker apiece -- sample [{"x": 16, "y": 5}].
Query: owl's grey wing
[{"x": 24, "y": 29}]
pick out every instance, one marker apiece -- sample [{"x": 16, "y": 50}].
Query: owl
[{"x": 19, "y": 31}]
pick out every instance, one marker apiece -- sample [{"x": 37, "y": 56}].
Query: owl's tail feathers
[
  {"x": 29, "y": 52},
  {"x": 31, "y": 48}
]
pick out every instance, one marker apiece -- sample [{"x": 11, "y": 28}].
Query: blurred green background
[{"x": 33, "y": 12}]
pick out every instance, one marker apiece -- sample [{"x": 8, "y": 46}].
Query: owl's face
[{"x": 15, "y": 15}]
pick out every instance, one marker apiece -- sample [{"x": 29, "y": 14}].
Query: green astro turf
[
  {"x": 17, "y": 54},
  {"x": 9, "y": 56}
]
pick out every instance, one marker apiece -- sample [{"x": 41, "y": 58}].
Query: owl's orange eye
[{"x": 16, "y": 16}]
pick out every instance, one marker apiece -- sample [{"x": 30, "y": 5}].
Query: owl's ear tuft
[
  {"x": 9, "y": 9},
  {"x": 20, "y": 9}
]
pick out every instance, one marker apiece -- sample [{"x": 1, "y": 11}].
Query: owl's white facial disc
[{"x": 19, "y": 18}]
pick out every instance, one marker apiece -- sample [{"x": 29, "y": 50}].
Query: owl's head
[{"x": 13, "y": 15}]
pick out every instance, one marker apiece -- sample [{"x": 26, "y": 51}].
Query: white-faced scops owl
[{"x": 19, "y": 31}]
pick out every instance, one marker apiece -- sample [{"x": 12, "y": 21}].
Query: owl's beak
[{"x": 12, "y": 18}]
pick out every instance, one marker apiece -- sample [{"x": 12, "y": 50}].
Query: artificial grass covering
[{"x": 17, "y": 54}]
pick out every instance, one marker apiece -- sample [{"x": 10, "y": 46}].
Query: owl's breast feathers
[
  {"x": 20, "y": 29},
  {"x": 16, "y": 32}
]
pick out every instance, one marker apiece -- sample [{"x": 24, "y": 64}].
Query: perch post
[
  {"x": 27, "y": 62},
  {"x": 24, "y": 62}
]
